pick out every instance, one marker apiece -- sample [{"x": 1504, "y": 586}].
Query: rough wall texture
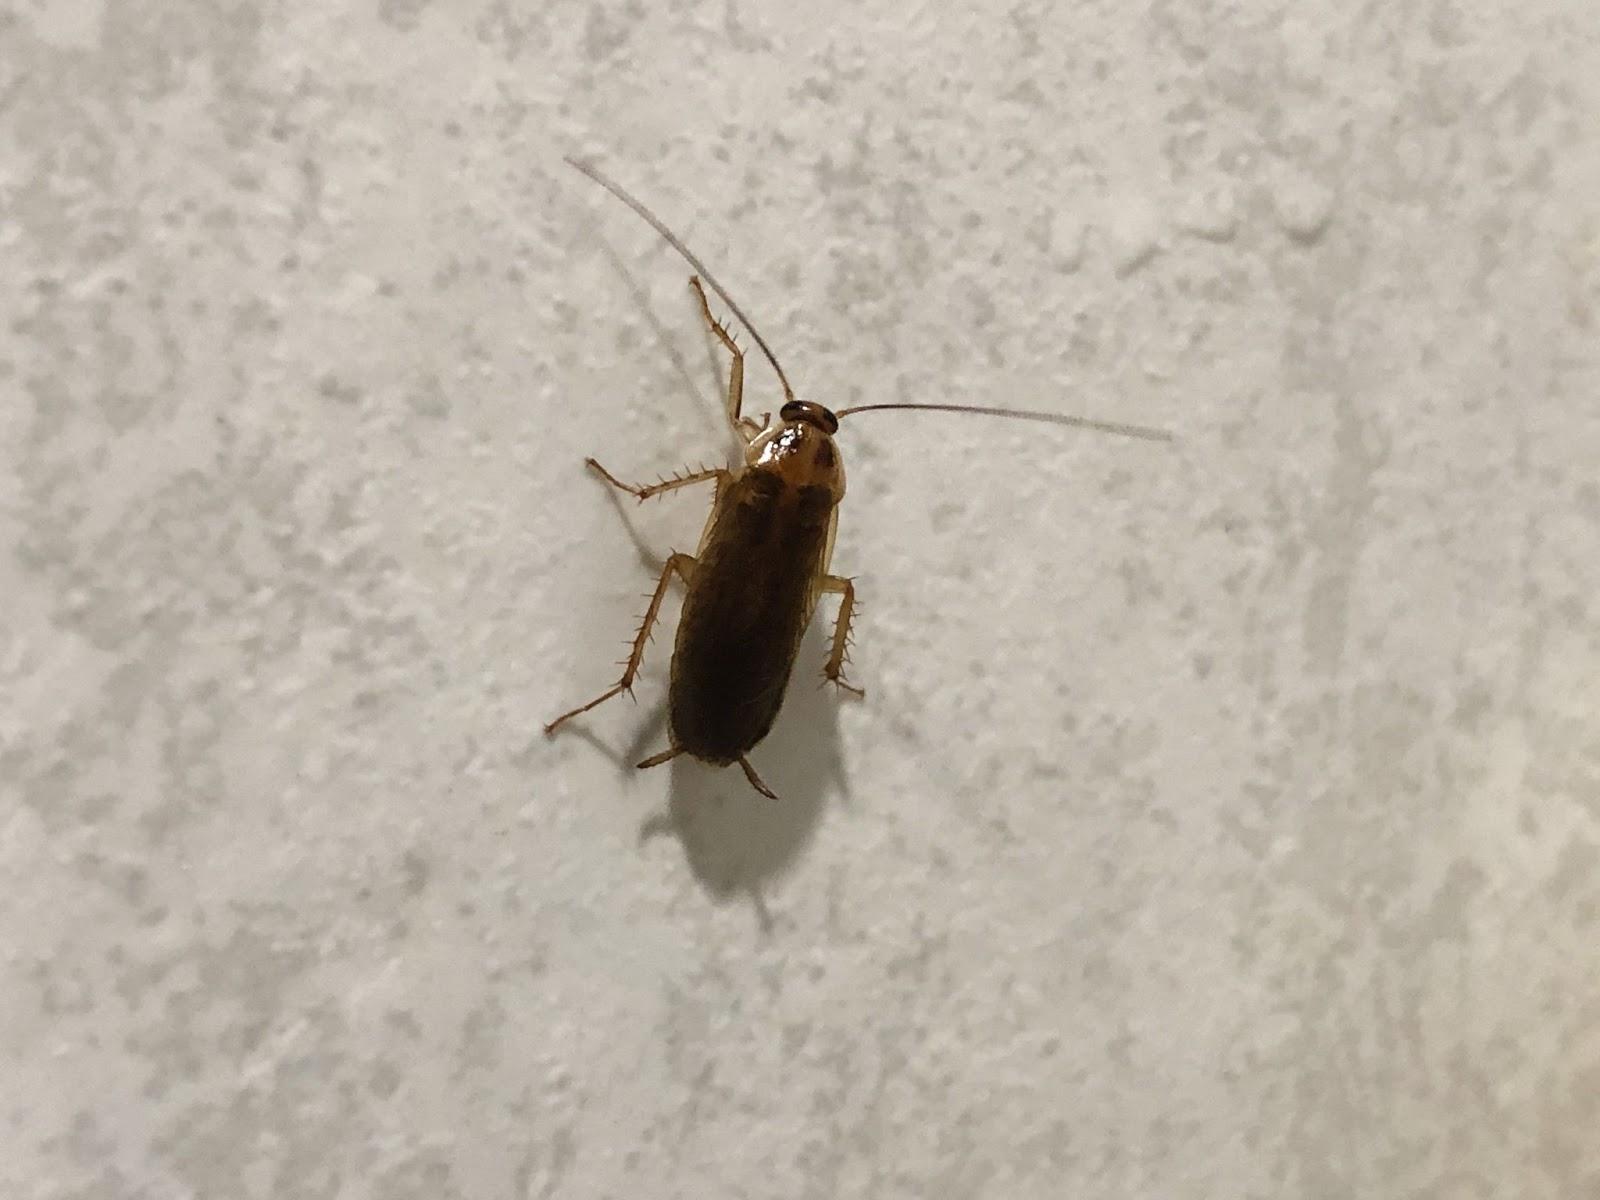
[{"x": 1223, "y": 819}]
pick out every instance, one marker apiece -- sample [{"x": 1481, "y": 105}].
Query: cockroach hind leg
[
  {"x": 583, "y": 708},
  {"x": 683, "y": 564},
  {"x": 844, "y": 685},
  {"x": 755, "y": 780}
]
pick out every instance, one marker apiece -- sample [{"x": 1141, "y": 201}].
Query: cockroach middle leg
[
  {"x": 684, "y": 565},
  {"x": 834, "y": 669},
  {"x": 643, "y": 491},
  {"x": 746, "y": 425}
]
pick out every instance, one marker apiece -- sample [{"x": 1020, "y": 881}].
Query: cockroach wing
[{"x": 759, "y": 573}]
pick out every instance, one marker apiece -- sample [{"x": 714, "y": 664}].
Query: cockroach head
[
  {"x": 811, "y": 414},
  {"x": 799, "y": 449}
]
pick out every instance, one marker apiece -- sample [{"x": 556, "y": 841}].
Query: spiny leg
[
  {"x": 834, "y": 669},
  {"x": 643, "y": 491},
  {"x": 683, "y": 564},
  {"x": 736, "y": 371}
]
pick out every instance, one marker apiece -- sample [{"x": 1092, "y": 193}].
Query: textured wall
[{"x": 1222, "y": 819}]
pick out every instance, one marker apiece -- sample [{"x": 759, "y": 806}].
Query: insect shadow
[
  {"x": 736, "y": 843},
  {"x": 751, "y": 589}
]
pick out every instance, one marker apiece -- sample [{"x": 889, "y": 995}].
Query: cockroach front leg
[
  {"x": 643, "y": 491},
  {"x": 684, "y": 565},
  {"x": 834, "y": 669},
  {"x": 746, "y": 425}
]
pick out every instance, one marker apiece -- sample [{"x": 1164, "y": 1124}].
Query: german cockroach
[{"x": 763, "y": 557}]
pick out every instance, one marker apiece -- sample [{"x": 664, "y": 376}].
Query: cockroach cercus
[{"x": 763, "y": 559}]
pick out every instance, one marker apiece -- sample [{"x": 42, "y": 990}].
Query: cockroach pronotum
[{"x": 764, "y": 555}]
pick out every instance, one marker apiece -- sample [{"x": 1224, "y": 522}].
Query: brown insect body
[
  {"x": 754, "y": 582},
  {"x": 763, "y": 560},
  {"x": 760, "y": 568}
]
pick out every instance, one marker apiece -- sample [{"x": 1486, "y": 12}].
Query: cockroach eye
[{"x": 815, "y": 414}]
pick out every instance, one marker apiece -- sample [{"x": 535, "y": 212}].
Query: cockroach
[{"x": 764, "y": 556}]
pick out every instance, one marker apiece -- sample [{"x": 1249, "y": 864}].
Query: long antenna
[
  {"x": 676, "y": 243},
  {"x": 1137, "y": 431}
]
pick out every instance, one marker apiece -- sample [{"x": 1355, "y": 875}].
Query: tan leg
[
  {"x": 646, "y": 490},
  {"x": 655, "y": 760},
  {"x": 683, "y": 564},
  {"x": 755, "y": 780},
  {"x": 834, "y": 669},
  {"x": 736, "y": 371}
]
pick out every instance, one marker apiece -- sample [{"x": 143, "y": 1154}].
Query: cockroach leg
[
  {"x": 684, "y": 565},
  {"x": 736, "y": 371},
  {"x": 834, "y": 670},
  {"x": 644, "y": 491},
  {"x": 755, "y": 780}
]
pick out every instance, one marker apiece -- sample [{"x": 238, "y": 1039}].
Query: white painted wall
[{"x": 1222, "y": 819}]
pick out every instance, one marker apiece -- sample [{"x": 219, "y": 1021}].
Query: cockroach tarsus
[{"x": 763, "y": 560}]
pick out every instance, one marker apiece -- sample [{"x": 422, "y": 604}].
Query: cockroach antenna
[
  {"x": 673, "y": 240},
  {"x": 765, "y": 558},
  {"x": 1022, "y": 414},
  {"x": 1016, "y": 414}
]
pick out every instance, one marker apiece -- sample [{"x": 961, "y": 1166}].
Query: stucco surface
[{"x": 1222, "y": 818}]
